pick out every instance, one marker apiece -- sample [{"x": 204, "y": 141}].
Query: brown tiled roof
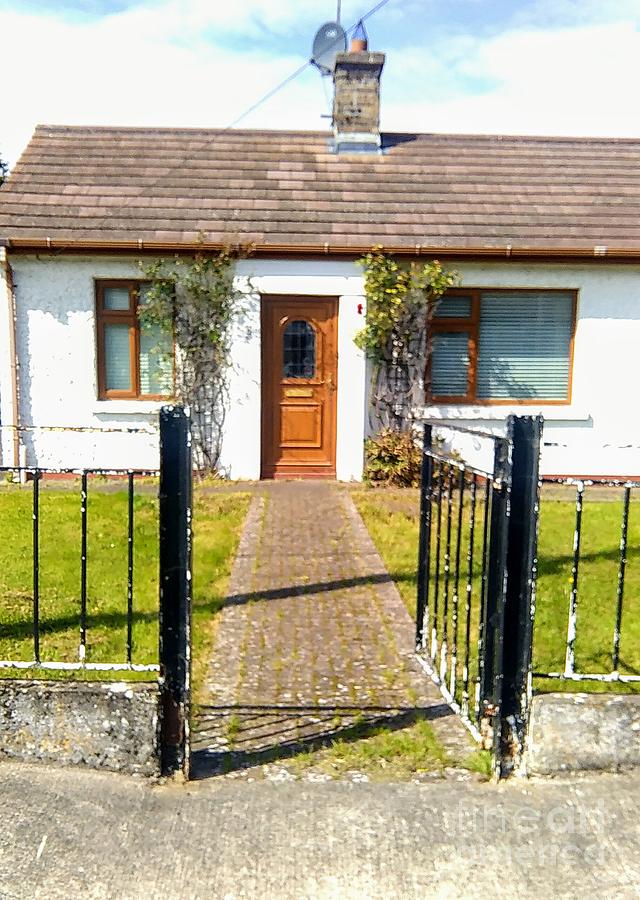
[{"x": 286, "y": 189}]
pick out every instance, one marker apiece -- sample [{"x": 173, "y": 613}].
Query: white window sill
[
  {"x": 128, "y": 407},
  {"x": 470, "y": 413}
]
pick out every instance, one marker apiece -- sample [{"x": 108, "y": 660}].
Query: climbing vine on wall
[
  {"x": 401, "y": 302},
  {"x": 197, "y": 301}
]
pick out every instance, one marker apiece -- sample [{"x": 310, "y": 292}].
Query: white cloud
[
  {"x": 153, "y": 66},
  {"x": 579, "y": 81},
  {"x": 572, "y": 12},
  {"x": 120, "y": 71},
  {"x": 189, "y": 19}
]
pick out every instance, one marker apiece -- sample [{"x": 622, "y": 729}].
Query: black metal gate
[
  {"x": 479, "y": 505},
  {"x": 173, "y": 664}
]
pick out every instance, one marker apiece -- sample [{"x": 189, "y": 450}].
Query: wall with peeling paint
[
  {"x": 594, "y": 434},
  {"x": 56, "y": 342}
]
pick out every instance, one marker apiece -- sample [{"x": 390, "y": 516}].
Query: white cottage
[{"x": 544, "y": 232}]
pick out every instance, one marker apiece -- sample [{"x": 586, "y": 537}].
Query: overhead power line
[
  {"x": 270, "y": 93},
  {"x": 199, "y": 146},
  {"x": 299, "y": 70}
]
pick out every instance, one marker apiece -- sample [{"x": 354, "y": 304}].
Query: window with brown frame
[
  {"x": 135, "y": 361},
  {"x": 502, "y": 346}
]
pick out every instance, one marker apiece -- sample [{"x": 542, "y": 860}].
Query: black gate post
[
  {"x": 519, "y": 607},
  {"x": 175, "y": 588},
  {"x": 492, "y": 615},
  {"x": 424, "y": 547}
]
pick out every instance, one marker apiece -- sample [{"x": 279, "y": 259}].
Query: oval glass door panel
[{"x": 299, "y": 350}]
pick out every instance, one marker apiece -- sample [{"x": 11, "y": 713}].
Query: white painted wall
[
  {"x": 598, "y": 433},
  {"x": 352, "y": 388},
  {"x": 56, "y": 346},
  {"x": 56, "y": 342},
  {"x": 240, "y": 455},
  {"x": 58, "y": 387},
  {"x": 6, "y": 393},
  {"x": 241, "y": 447}
]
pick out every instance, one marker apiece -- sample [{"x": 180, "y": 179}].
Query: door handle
[{"x": 330, "y": 383}]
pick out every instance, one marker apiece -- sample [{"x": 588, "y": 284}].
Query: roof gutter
[{"x": 509, "y": 251}]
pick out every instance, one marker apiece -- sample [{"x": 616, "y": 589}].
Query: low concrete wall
[
  {"x": 103, "y": 725},
  {"x": 575, "y": 732}
]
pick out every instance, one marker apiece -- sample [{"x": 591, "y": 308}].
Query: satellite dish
[{"x": 330, "y": 40}]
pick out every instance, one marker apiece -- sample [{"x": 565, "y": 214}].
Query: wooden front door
[{"x": 299, "y": 386}]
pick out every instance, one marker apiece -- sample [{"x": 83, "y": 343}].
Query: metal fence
[
  {"x": 173, "y": 543},
  {"x": 476, "y": 577},
  {"x": 612, "y": 600},
  {"x": 34, "y": 477},
  {"x": 456, "y": 501}
]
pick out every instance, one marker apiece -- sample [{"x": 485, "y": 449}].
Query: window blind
[
  {"x": 449, "y": 363},
  {"x": 524, "y": 345},
  {"x": 116, "y": 358},
  {"x": 453, "y": 307},
  {"x": 156, "y": 361},
  {"x": 116, "y": 298}
]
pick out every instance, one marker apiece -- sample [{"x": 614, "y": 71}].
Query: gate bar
[
  {"x": 492, "y": 632},
  {"x": 424, "y": 547}
]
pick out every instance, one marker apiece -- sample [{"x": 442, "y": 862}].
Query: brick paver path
[{"x": 314, "y": 636}]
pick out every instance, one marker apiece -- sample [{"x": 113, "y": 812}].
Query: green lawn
[
  {"x": 392, "y": 518},
  {"x": 217, "y": 521}
]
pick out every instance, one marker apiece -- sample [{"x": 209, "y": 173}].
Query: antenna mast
[{"x": 338, "y": 12}]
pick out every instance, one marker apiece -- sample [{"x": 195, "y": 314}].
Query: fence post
[
  {"x": 519, "y": 606},
  {"x": 424, "y": 547},
  {"x": 175, "y": 588},
  {"x": 490, "y": 639}
]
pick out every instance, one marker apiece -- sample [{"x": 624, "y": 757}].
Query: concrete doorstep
[{"x": 79, "y": 833}]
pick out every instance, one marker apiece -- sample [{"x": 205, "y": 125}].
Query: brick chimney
[{"x": 356, "y": 99}]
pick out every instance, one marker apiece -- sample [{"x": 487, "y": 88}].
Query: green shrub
[{"x": 392, "y": 458}]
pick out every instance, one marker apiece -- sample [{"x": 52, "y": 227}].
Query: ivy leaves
[
  {"x": 401, "y": 301},
  {"x": 397, "y": 297},
  {"x": 197, "y": 301}
]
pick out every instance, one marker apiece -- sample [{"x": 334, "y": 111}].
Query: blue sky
[{"x": 526, "y": 66}]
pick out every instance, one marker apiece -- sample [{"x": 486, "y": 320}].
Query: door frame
[{"x": 302, "y": 470}]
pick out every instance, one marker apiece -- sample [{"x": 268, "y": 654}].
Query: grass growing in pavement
[
  {"x": 391, "y": 516},
  {"x": 217, "y": 522},
  {"x": 385, "y": 754}
]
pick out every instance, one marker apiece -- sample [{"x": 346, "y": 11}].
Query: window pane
[
  {"x": 299, "y": 350},
  {"x": 524, "y": 345},
  {"x": 449, "y": 363},
  {"x": 156, "y": 361},
  {"x": 454, "y": 308},
  {"x": 117, "y": 362},
  {"x": 116, "y": 298}
]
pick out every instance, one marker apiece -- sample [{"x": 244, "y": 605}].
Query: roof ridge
[{"x": 252, "y": 132}]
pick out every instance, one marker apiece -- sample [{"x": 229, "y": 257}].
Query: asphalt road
[{"x": 73, "y": 833}]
